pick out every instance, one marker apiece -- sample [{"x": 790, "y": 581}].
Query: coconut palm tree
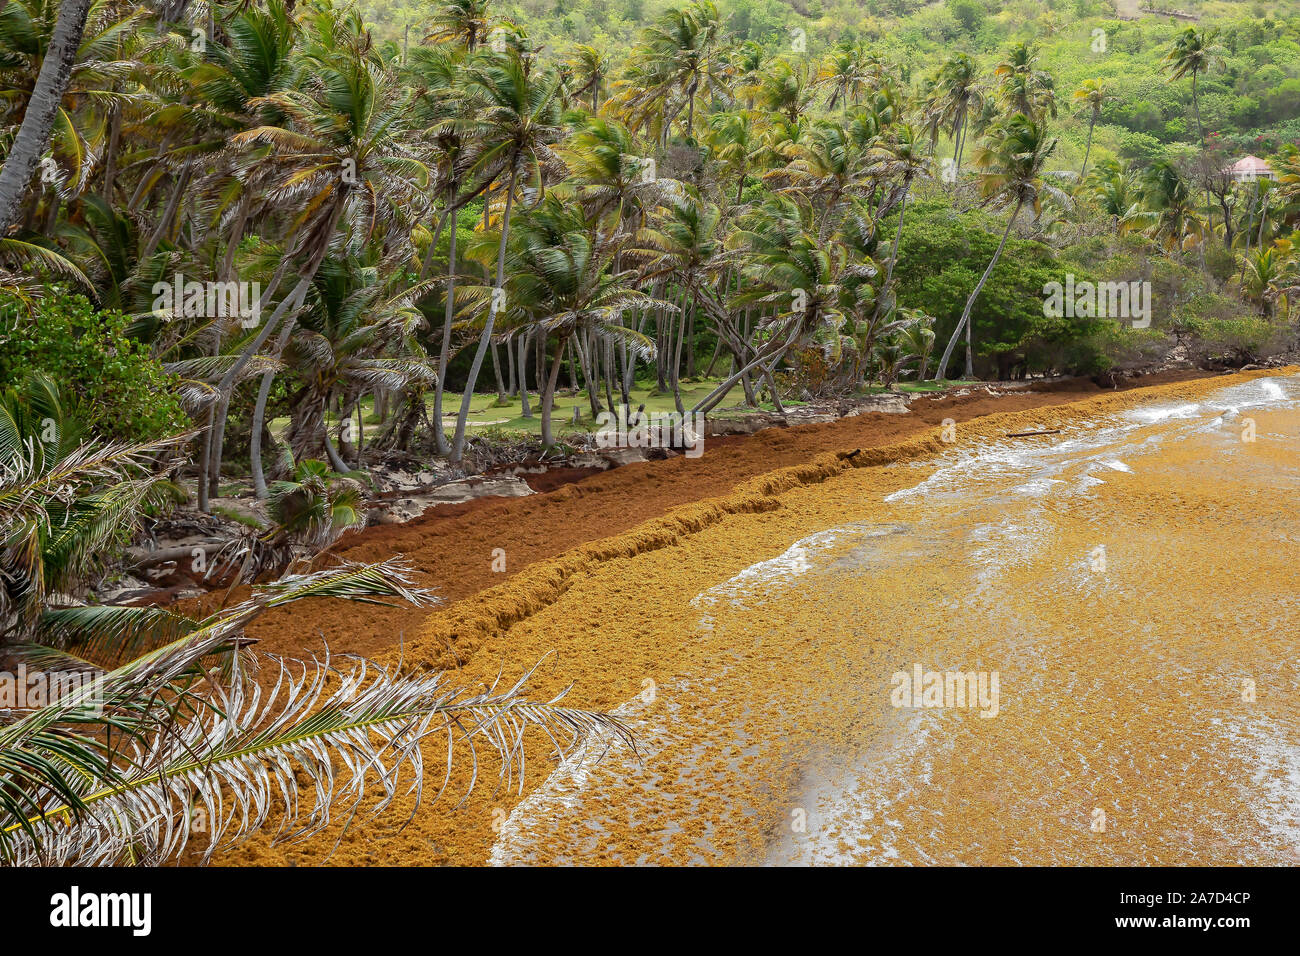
[
  {"x": 1013, "y": 166},
  {"x": 43, "y": 108},
  {"x": 1091, "y": 93},
  {"x": 680, "y": 56},
  {"x": 345, "y": 154},
  {"x": 737, "y": 141},
  {"x": 1170, "y": 214},
  {"x": 902, "y": 157},
  {"x": 512, "y": 131},
  {"x": 590, "y": 68},
  {"x": 849, "y": 70},
  {"x": 1193, "y": 53},
  {"x": 466, "y": 22},
  {"x": 959, "y": 94},
  {"x": 1025, "y": 88}
]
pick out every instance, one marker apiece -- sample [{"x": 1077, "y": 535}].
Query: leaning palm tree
[
  {"x": 1093, "y": 94},
  {"x": 590, "y": 68},
  {"x": 1014, "y": 164},
  {"x": 512, "y": 131},
  {"x": 902, "y": 157},
  {"x": 43, "y": 108},
  {"x": 679, "y": 57},
  {"x": 344, "y": 154},
  {"x": 808, "y": 283}
]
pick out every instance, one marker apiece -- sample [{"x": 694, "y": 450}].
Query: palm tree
[
  {"x": 736, "y": 140},
  {"x": 1115, "y": 189},
  {"x": 849, "y": 70},
  {"x": 1194, "y": 52},
  {"x": 42, "y": 109},
  {"x": 345, "y": 153},
  {"x": 1025, "y": 88},
  {"x": 1170, "y": 214},
  {"x": 1093, "y": 94},
  {"x": 809, "y": 284},
  {"x": 1013, "y": 167},
  {"x": 902, "y": 157},
  {"x": 359, "y": 336},
  {"x": 785, "y": 88},
  {"x": 64, "y": 503},
  {"x": 827, "y": 168},
  {"x": 512, "y": 131},
  {"x": 466, "y": 22},
  {"x": 743, "y": 68},
  {"x": 679, "y": 56},
  {"x": 959, "y": 95},
  {"x": 590, "y": 67}
]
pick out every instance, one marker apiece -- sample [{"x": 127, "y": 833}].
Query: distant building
[{"x": 1250, "y": 168}]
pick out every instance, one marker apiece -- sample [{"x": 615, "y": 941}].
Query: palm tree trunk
[
  {"x": 462, "y": 418},
  {"x": 525, "y": 410},
  {"x": 1088, "y": 149},
  {"x": 674, "y": 373},
  {"x": 942, "y": 370},
  {"x": 259, "y": 416},
  {"x": 607, "y": 356},
  {"x": 444, "y": 350},
  {"x": 774, "y": 350},
  {"x": 33, "y": 136},
  {"x": 548, "y": 394},
  {"x": 169, "y": 214},
  {"x": 898, "y": 234},
  {"x": 110, "y": 154}
]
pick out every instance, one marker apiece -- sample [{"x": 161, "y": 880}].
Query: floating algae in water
[{"x": 1118, "y": 682}]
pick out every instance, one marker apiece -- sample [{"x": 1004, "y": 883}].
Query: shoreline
[
  {"x": 577, "y": 607},
  {"x": 451, "y": 547}
]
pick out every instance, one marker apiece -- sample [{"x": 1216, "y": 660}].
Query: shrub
[{"x": 118, "y": 389}]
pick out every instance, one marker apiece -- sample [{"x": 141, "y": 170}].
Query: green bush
[
  {"x": 119, "y": 390},
  {"x": 1235, "y": 341}
]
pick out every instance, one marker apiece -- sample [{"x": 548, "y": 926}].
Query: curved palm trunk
[
  {"x": 225, "y": 388},
  {"x": 259, "y": 417},
  {"x": 942, "y": 371},
  {"x": 774, "y": 351},
  {"x": 458, "y": 442},
  {"x": 42, "y": 106}
]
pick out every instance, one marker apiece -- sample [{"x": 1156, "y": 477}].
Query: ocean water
[{"x": 1132, "y": 584}]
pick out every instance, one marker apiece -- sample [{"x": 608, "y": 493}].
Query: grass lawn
[{"x": 486, "y": 413}]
